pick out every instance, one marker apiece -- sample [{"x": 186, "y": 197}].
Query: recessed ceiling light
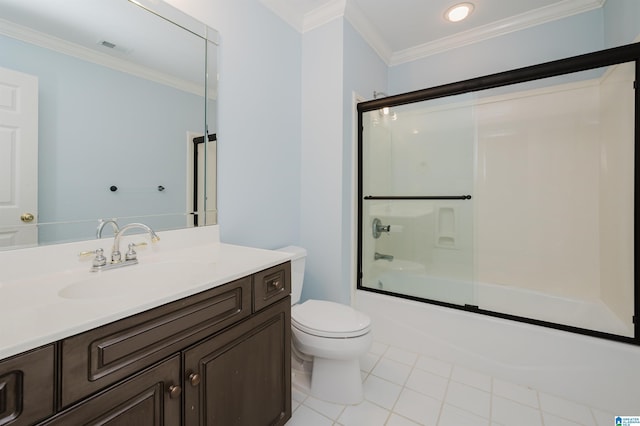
[{"x": 458, "y": 12}]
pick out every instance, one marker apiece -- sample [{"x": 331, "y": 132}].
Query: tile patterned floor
[{"x": 408, "y": 389}]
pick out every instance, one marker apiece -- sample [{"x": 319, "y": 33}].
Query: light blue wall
[
  {"x": 559, "y": 39},
  {"x": 621, "y": 22},
  {"x": 336, "y": 63},
  {"x": 259, "y": 137},
  {"x": 321, "y": 174}
]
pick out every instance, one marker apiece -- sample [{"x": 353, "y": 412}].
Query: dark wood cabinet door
[
  {"x": 27, "y": 387},
  {"x": 150, "y": 398},
  {"x": 243, "y": 374}
]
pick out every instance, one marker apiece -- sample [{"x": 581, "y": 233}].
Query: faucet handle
[
  {"x": 98, "y": 260},
  {"x": 131, "y": 253}
]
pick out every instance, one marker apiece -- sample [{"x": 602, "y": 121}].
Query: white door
[{"x": 18, "y": 159}]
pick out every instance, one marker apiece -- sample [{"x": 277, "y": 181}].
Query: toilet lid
[{"x": 329, "y": 319}]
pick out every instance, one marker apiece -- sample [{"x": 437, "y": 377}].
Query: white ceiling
[{"x": 405, "y": 30}]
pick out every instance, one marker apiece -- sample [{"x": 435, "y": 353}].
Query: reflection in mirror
[{"x": 103, "y": 110}]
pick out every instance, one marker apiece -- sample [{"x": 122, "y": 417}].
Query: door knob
[{"x": 27, "y": 217}]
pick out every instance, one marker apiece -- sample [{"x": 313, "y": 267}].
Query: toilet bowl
[{"x": 328, "y": 340}]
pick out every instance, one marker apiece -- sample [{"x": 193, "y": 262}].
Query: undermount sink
[{"x": 134, "y": 279}]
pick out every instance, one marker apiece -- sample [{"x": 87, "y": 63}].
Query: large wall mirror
[{"x": 107, "y": 110}]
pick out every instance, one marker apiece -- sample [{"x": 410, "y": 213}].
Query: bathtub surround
[{"x": 545, "y": 156}]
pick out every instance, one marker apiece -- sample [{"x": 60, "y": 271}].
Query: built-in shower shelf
[
  {"x": 446, "y": 227},
  {"x": 446, "y": 241}
]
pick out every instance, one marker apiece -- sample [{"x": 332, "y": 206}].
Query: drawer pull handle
[
  {"x": 174, "y": 391},
  {"x": 274, "y": 285},
  {"x": 194, "y": 379}
]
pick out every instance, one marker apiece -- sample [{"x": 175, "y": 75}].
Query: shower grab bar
[{"x": 417, "y": 197}]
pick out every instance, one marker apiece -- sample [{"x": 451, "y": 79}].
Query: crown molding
[
  {"x": 336, "y": 8},
  {"x": 323, "y": 14},
  {"x": 46, "y": 41},
  {"x": 515, "y": 23},
  {"x": 303, "y": 22},
  {"x": 368, "y": 32}
]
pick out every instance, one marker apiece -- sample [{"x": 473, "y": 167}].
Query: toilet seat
[{"x": 329, "y": 319}]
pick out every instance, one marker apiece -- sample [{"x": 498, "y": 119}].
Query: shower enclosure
[{"x": 509, "y": 195}]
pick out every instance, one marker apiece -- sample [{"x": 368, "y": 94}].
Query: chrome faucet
[
  {"x": 116, "y": 256},
  {"x": 131, "y": 257},
  {"x": 378, "y": 228},
  {"x": 102, "y": 223},
  {"x": 377, "y": 256}
]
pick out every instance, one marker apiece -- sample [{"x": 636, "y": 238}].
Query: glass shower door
[
  {"x": 417, "y": 174},
  {"x": 510, "y": 195}
]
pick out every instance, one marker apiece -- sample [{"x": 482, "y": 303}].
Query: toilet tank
[{"x": 297, "y": 270}]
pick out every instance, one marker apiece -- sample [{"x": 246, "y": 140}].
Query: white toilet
[{"x": 328, "y": 339}]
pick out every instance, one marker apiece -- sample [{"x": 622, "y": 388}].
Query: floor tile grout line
[
  {"x": 490, "y": 392},
  {"x": 404, "y": 417},
  {"x": 432, "y": 372},
  {"x": 390, "y": 410},
  {"x": 468, "y": 384},
  {"x": 414, "y": 366},
  {"x": 509, "y": 398},
  {"x": 540, "y": 408},
  {"x": 402, "y": 388},
  {"x": 446, "y": 392},
  {"x": 324, "y": 415},
  {"x": 442, "y": 403}
]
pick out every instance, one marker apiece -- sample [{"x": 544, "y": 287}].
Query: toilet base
[{"x": 337, "y": 381}]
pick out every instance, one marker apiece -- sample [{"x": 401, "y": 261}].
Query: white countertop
[{"x": 36, "y": 307}]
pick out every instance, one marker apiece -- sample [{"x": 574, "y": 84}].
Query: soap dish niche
[{"x": 446, "y": 229}]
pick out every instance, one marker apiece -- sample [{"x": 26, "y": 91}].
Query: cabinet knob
[
  {"x": 274, "y": 285},
  {"x": 174, "y": 391},
  {"x": 194, "y": 379}
]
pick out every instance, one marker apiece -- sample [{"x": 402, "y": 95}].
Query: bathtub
[
  {"x": 589, "y": 314},
  {"x": 594, "y": 371}
]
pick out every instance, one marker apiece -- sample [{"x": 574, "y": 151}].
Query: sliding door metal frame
[{"x": 603, "y": 58}]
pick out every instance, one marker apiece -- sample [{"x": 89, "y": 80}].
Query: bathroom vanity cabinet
[
  {"x": 219, "y": 357},
  {"x": 27, "y": 387}
]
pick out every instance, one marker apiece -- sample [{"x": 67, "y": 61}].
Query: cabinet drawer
[
  {"x": 26, "y": 387},
  {"x": 100, "y": 357},
  {"x": 271, "y": 285},
  {"x": 150, "y": 398}
]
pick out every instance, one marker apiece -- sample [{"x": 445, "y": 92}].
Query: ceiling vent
[{"x": 112, "y": 46}]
